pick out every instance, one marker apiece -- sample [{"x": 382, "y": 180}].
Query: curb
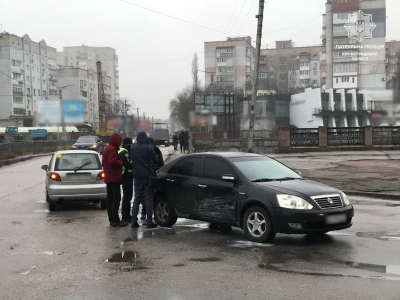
[
  {"x": 21, "y": 159},
  {"x": 374, "y": 194},
  {"x": 169, "y": 155}
]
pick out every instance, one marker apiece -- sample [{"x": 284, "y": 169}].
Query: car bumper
[
  {"x": 311, "y": 221},
  {"x": 77, "y": 192}
]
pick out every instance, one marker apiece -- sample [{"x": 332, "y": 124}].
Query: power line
[
  {"x": 172, "y": 17},
  {"x": 226, "y": 27},
  {"x": 238, "y": 17},
  {"x": 251, "y": 6},
  {"x": 292, "y": 35}
]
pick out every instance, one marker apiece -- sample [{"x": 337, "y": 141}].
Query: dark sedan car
[
  {"x": 254, "y": 192},
  {"x": 89, "y": 142}
]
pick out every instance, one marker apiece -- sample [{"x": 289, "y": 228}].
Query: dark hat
[{"x": 127, "y": 141}]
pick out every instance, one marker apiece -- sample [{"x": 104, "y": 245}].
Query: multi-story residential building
[
  {"x": 85, "y": 57},
  {"x": 29, "y": 75},
  {"x": 84, "y": 85},
  {"x": 392, "y": 61},
  {"x": 354, "y": 63},
  {"x": 231, "y": 62},
  {"x": 290, "y": 69}
]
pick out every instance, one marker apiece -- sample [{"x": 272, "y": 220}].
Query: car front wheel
[
  {"x": 163, "y": 213},
  {"x": 257, "y": 225}
]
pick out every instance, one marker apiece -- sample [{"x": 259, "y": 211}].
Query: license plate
[
  {"x": 78, "y": 178},
  {"x": 336, "y": 219}
]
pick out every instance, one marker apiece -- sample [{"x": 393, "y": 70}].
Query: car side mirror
[
  {"x": 228, "y": 177},
  {"x": 45, "y": 167}
]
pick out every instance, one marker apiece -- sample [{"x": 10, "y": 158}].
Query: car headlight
[
  {"x": 346, "y": 200},
  {"x": 73, "y": 146},
  {"x": 293, "y": 202}
]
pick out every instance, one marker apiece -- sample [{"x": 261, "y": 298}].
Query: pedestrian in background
[
  {"x": 186, "y": 139},
  {"x": 112, "y": 166},
  {"x": 182, "y": 141},
  {"x": 143, "y": 159},
  {"x": 127, "y": 178},
  {"x": 160, "y": 159},
  {"x": 175, "y": 140}
]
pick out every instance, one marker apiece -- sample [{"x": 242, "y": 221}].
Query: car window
[
  {"x": 188, "y": 167},
  {"x": 86, "y": 139},
  {"x": 68, "y": 162},
  {"x": 51, "y": 160},
  {"x": 215, "y": 168}
]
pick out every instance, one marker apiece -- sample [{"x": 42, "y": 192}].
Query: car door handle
[
  {"x": 170, "y": 180},
  {"x": 202, "y": 186}
]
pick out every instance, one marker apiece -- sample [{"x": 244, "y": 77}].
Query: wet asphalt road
[{"x": 74, "y": 254}]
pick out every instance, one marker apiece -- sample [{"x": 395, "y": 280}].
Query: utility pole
[
  {"x": 255, "y": 84},
  {"x": 152, "y": 123},
  {"x": 125, "y": 108},
  {"x": 212, "y": 102},
  {"x": 62, "y": 109},
  {"x": 138, "y": 116}
]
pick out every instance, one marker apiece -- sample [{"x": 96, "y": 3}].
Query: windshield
[
  {"x": 86, "y": 139},
  {"x": 263, "y": 168},
  {"x": 82, "y": 161}
]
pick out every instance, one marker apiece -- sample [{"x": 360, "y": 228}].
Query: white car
[{"x": 75, "y": 175}]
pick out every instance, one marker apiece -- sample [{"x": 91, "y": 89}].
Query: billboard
[
  {"x": 74, "y": 111},
  {"x": 49, "y": 112}
]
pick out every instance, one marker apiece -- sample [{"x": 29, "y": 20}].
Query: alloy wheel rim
[
  {"x": 256, "y": 224},
  {"x": 162, "y": 211}
]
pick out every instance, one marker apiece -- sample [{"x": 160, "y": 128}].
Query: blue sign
[{"x": 74, "y": 111}]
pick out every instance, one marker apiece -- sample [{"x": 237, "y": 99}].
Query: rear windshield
[
  {"x": 70, "y": 162},
  {"x": 87, "y": 139}
]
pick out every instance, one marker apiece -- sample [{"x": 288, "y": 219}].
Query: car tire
[
  {"x": 52, "y": 204},
  {"x": 260, "y": 231},
  {"x": 164, "y": 214},
  {"x": 103, "y": 204}
]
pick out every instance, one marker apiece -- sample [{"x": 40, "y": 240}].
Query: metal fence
[
  {"x": 304, "y": 138},
  {"x": 244, "y": 134},
  {"x": 8, "y": 150},
  {"x": 345, "y": 137},
  {"x": 218, "y": 135},
  {"x": 386, "y": 136}
]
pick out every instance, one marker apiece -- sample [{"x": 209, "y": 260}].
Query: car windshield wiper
[
  {"x": 263, "y": 180},
  {"x": 287, "y": 178},
  {"x": 80, "y": 167}
]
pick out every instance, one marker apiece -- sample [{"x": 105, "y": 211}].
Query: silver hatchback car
[{"x": 75, "y": 175}]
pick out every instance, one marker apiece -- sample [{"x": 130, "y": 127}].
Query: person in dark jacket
[
  {"x": 112, "y": 166},
  {"x": 143, "y": 159},
  {"x": 186, "y": 140},
  {"x": 175, "y": 140},
  {"x": 182, "y": 141},
  {"x": 160, "y": 159},
  {"x": 127, "y": 178}
]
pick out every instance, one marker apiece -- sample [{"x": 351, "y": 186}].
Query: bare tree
[
  {"x": 195, "y": 72},
  {"x": 119, "y": 107}
]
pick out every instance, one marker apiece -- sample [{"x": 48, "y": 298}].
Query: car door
[
  {"x": 216, "y": 197},
  {"x": 182, "y": 184}
]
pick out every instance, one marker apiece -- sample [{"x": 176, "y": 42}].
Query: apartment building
[
  {"x": 85, "y": 57},
  {"x": 290, "y": 69},
  {"x": 231, "y": 62},
  {"x": 29, "y": 75},
  {"x": 353, "y": 35},
  {"x": 392, "y": 61},
  {"x": 84, "y": 85}
]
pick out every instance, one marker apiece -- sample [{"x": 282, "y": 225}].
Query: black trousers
[
  {"x": 127, "y": 189},
  {"x": 182, "y": 148},
  {"x": 143, "y": 191},
  {"x": 113, "y": 201}
]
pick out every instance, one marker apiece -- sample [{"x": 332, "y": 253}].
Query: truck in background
[{"x": 160, "y": 134}]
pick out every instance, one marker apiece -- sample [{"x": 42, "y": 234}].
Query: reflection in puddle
[
  {"x": 385, "y": 236},
  {"x": 41, "y": 211},
  {"x": 200, "y": 225},
  {"x": 28, "y": 271},
  {"x": 128, "y": 256},
  {"x": 205, "y": 259},
  {"x": 247, "y": 244}
]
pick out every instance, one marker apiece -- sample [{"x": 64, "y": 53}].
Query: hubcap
[
  {"x": 162, "y": 211},
  {"x": 256, "y": 224}
]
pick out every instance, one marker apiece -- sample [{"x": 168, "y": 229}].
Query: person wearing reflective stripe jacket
[{"x": 127, "y": 179}]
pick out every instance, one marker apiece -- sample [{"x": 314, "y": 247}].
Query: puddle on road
[
  {"x": 28, "y": 271},
  {"x": 385, "y": 236},
  {"x": 41, "y": 211},
  {"x": 128, "y": 256},
  {"x": 205, "y": 259},
  {"x": 248, "y": 244}
]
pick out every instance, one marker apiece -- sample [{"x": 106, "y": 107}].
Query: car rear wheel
[
  {"x": 52, "y": 204},
  {"x": 163, "y": 213},
  {"x": 103, "y": 204},
  {"x": 257, "y": 225}
]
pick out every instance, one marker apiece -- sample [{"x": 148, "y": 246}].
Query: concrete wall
[{"x": 302, "y": 107}]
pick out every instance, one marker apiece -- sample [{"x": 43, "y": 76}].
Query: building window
[
  {"x": 337, "y": 80},
  {"x": 315, "y": 72},
  {"x": 282, "y": 68},
  {"x": 294, "y": 67},
  {"x": 16, "y": 63},
  {"x": 44, "y": 93},
  {"x": 393, "y": 52},
  {"x": 340, "y": 28},
  {"x": 345, "y": 79},
  {"x": 84, "y": 93},
  {"x": 345, "y": 68},
  {"x": 315, "y": 82},
  {"x": 27, "y": 78},
  {"x": 17, "y": 90},
  {"x": 17, "y": 76},
  {"x": 229, "y": 69},
  {"x": 28, "y": 91},
  {"x": 19, "y": 112},
  {"x": 393, "y": 69},
  {"x": 304, "y": 64},
  {"x": 223, "y": 59},
  {"x": 353, "y": 79},
  {"x": 393, "y": 60},
  {"x": 27, "y": 67},
  {"x": 262, "y": 75},
  {"x": 44, "y": 81},
  {"x": 38, "y": 92},
  {"x": 34, "y": 92}
]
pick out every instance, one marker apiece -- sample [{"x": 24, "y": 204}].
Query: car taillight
[
  {"x": 101, "y": 176},
  {"x": 166, "y": 142},
  {"x": 54, "y": 176},
  {"x": 94, "y": 146}
]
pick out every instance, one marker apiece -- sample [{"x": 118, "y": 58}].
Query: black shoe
[
  {"x": 135, "y": 225},
  {"x": 122, "y": 224},
  {"x": 126, "y": 220},
  {"x": 151, "y": 225},
  {"x": 143, "y": 217},
  {"x": 113, "y": 224}
]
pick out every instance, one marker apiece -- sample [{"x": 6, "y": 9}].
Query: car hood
[
  {"x": 85, "y": 144},
  {"x": 300, "y": 188}
]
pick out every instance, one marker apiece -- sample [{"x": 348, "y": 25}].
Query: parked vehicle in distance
[
  {"x": 250, "y": 191},
  {"x": 160, "y": 136},
  {"x": 75, "y": 175},
  {"x": 89, "y": 142},
  {"x": 38, "y": 134}
]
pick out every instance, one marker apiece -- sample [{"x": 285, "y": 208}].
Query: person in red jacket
[{"x": 112, "y": 166}]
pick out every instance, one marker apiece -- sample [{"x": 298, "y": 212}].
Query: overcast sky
[{"x": 155, "y": 51}]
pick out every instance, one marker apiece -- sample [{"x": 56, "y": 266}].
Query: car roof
[
  {"x": 76, "y": 152},
  {"x": 228, "y": 154}
]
